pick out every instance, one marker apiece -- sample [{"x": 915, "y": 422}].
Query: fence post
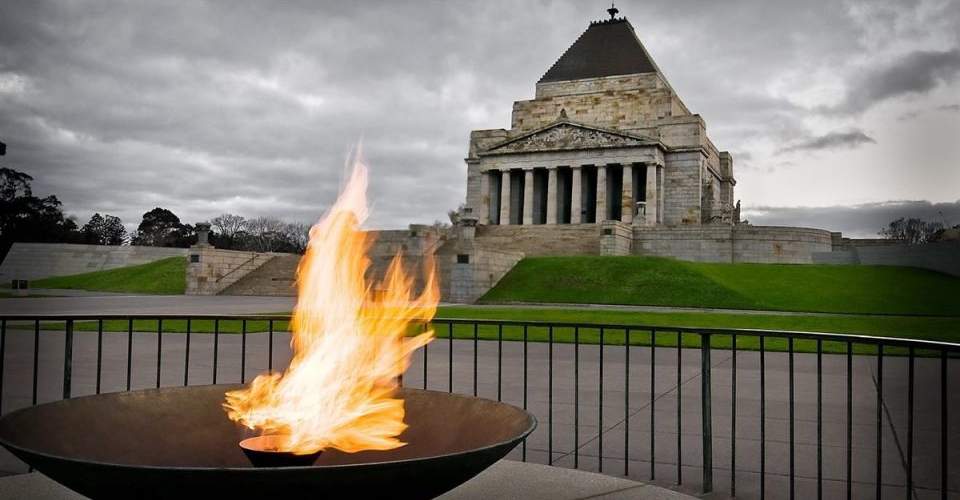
[
  {"x": 705, "y": 413},
  {"x": 67, "y": 358}
]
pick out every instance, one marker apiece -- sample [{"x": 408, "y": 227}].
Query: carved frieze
[{"x": 566, "y": 137}]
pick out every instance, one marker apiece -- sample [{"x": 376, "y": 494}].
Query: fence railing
[{"x": 598, "y": 390}]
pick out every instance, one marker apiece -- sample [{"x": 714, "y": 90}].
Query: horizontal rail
[{"x": 786, "y": 334}]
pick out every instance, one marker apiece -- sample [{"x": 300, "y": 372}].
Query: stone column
[
  {"x": 484, "y": 215},
  {"x": 575, "y": 204},
  {"x": 601, "y": 193},
  {"x": 552, "y": 196},
  {"x": 528, "y": 196},
  {"x": 660, "y": 198},
  {"x": 652, "y": 198},
  {"x": 504, "y": 197},
  {"x": 627, "y": 206}
]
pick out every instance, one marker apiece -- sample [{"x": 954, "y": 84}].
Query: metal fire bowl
[{"x": 178, "y": 442}]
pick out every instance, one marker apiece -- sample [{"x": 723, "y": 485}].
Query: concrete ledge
[{"x": 505, "y": 479}]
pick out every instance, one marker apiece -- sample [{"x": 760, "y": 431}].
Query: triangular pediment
[{"x": 566, "y": 135}]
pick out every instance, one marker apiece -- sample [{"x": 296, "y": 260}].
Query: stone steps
[{"x": 273, "y": 278}]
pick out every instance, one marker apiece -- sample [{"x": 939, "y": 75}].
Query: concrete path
[
  {"x": 586, "y": 411},
  {"x": 505, "y": 479},
  {"x": 145, "y": 304},
  {"x": 657, "y": 309},
  {"x": 81, "y": 302}
]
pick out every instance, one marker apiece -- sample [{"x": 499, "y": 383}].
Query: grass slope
[
  {"x": 163, "y": 277},
  {"x": 784, "y": 287}
]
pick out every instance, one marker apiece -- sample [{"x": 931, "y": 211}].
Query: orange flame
[{"x": 349, "y": 343}]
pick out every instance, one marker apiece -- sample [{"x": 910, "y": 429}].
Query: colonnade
[{"x": 579, "y": 194}]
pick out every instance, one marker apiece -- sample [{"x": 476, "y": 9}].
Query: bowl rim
[{"x": 531, "y": 425}]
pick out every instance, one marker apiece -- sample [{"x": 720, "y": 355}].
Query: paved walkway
[
  {"x": 81, "y": 302},
  {"x": 657, "y": 309},
  {"x": 145, "y": 304},
  {"x": 505, "y": 479},
  {"x": 586, "y": 410}
]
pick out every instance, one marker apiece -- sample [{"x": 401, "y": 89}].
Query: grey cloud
[
  {"x": 946, "y": 108},
  {"x": 251, "y": 107},
  {"x": 833, "y": 140},
  {"x": 914, "y": 73},
  {"x": 860, "y": 221}
]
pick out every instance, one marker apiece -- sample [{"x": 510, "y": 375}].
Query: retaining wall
[
  {"x": 943, "y": 256},
  {"x": 33, "y": 261},
  {"x": 759, "y": 244},
  {"x": 542, "y": 239},
  {"x": 467, "y": 269},
  {"x": 211, "y": 270}
]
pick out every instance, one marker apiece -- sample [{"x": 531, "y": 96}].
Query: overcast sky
[{"x": 839, "y": 114}]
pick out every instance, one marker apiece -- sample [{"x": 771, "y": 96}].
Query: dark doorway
[
  {"x": 494, "y": 195},
  {"x": 564, "y": 194},
  {"x": 588, "y": 193},
  {"x": 516, "y": 196},
  {"x": 614, "y": 192},
  {"x": 540, "y": 182}
]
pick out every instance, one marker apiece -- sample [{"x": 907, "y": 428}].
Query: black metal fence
[{"x": 559, "y": 372}]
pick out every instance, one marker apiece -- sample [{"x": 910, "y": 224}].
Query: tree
[
  {"x": 229, "y": 232},
  {"x": 297, "y": 235},
  {"x": 266, "y": 233},
  {"x": 92, "y": 230},
  {"x": 113, "y": 231},
  {"x": 228, "y": 225},
  {"x": 912, "y": 231},
  {"x": 162, "y": 228},
  {"x": 104, "y": 230},
  {"x": 27, "y": 218},
  {"x": 14, "y": 184}
]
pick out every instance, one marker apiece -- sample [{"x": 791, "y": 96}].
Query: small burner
[{"x": 264, "y": 451}]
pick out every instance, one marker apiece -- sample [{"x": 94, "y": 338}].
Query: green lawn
[
  {"x": 162, "y": 277},
  {"x": 918, "y": 327},
  {"x": 784, "y": 287}
]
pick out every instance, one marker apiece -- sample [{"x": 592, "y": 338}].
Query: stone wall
[
  {"x": 943, "y": 256},
  {"x": 682, "y": 188},
  {"x": 625, "y": 101},
  {"x": 759, "y": 244},
  {"x": 467, "y": 269},
  {"x": 547, "y": 239},
  {"x": 417, "y": 245},
  {"x": 33, "y": 261},
  {"x": 616, "y": 238},
  {"x": 216, "y": 269},
  {"x": 211, "y": 270}
]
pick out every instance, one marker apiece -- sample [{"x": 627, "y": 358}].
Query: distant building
[
  {"x": 606, "y": 159},
  {"x": 605, "y": 139}
]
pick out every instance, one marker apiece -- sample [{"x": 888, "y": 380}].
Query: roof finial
[{"x": 613, "y": 11}]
